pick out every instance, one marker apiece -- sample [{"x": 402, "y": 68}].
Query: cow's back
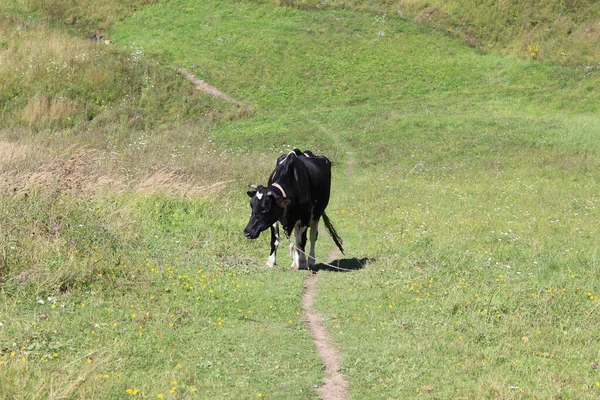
[
  {"x": 309, "y": 175},
  {"x": 318, "y": 169}
]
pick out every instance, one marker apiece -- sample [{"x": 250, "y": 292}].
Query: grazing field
[{"x": 466, "y": 183}]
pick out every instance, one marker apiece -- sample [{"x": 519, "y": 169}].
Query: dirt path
[
  {"x": 335, "y": 386},
  {"x": 206, "y": 88}
]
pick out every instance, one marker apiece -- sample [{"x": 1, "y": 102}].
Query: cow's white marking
[
  {"x": 259, "y": 195},
  {"x": 272, "y": 260},
  {"x": 299, "y": 255},
  {"x": 290, "y": 153},
  {"x": 294, "y": 255}
]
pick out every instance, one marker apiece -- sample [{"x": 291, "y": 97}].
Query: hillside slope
[{"x": 565, "y": 32}]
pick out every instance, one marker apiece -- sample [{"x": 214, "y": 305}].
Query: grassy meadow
[{"x": 465, "y": 180}]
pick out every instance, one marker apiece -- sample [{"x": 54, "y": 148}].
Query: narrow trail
[
  {"x": 335, "y": 386},
  {"x": 206, "y": 88}
]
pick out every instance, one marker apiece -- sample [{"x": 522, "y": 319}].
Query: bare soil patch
[
  {"x": 206, "y": 88},
  {"x": 335, "y": 386}
]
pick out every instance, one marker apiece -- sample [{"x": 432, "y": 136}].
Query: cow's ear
[
  {"x": 283, "y": 202},
  {"x": 251, "y": 193}
]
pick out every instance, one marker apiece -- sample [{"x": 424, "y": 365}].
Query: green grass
[
  {"x": 401, "y": 79},
  {"x": 468, "y": 180},
  {"x": 475, "y": 288},
  {"x": 174, "y": 303},
  {"x": 558, "y": 31}
]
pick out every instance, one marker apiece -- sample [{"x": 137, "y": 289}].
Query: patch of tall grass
[
  {"x": 81, "y": 17},
  {"x": 53, "y": 244},
  {"x": 114, "y": 291},
  {"x": 61, "y": 92}
]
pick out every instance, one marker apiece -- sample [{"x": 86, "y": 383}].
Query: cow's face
[{"x": 267, "y": 207}]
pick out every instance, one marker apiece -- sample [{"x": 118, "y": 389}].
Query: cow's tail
[{"x": 333, "y": 233}]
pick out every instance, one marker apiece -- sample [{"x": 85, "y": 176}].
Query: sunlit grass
[
  {"x": 466, "y": 180},
  {"x": 394, "y": 91},
  {"x": 556, "y": 31},
  {"x": 135, "y": 313},
  {"x": 478, "y": 290}
]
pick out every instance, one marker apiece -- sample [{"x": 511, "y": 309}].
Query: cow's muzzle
[{"x": 251, "y": 235}]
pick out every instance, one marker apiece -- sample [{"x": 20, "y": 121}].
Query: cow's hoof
[
  {"x": 294, "y": 266},
  {"x": 303, "y": 267}
]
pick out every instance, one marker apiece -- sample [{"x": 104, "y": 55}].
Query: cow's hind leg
[
  {"x": 272, "y": 260},
  {"x": 314, "y": 233},
  {"x": 299, "y": 256}
]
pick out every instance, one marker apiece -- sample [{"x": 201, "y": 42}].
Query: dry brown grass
[
  {"x": 79, "y": 171},
  {"x": 41, "y": 70},
  {"x": 33, "y": 53},
  {"x": 45, "y": 109},
  {"x": 10, "y": 153},
  {"x": 84, "y": 15},
  {"x": 168, "y": 181}
]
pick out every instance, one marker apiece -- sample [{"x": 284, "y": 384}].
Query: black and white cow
[{"x": 296, "y": 196}]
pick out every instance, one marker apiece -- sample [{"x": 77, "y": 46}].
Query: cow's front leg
[
  {"x": 299, "y": 255},
  {"x": 314, "y": 233},
  {"x": 272, "y": 260}
]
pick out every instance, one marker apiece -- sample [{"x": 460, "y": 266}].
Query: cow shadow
[{"x": 344, "y": 264}]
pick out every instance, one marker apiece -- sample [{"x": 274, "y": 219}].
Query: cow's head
[{"x": 267, "y": 207}]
